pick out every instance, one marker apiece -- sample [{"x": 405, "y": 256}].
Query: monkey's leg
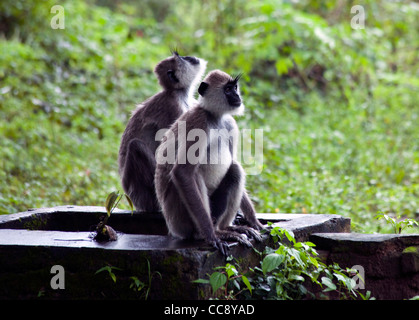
[
  {"x": 249, "y": 212},
  {"x": 220, "y": 199},
  {"x": 193, "y": 193},
  {"x": 138, "y": 176},
  {"x": 230, "y": 193}
]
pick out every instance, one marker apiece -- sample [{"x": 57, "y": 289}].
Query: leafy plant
[
  {"x": 103, "y": 231},
  {"x": 109, "y": 270},
  {"x": 229, "y": 276},
  {"x": 139, "y": 286},
  {"x": 397, "y": 224},
  {"x": 292, "y": 270},
  {"x": 338, "y": 106},
  {"x": 113, "y": 200}
]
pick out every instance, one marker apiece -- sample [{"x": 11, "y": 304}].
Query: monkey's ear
[
  {"x": 172, "y": 76},
  {"x": 202, "y": 88}
]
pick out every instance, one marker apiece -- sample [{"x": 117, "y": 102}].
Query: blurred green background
[{"x": 338, "y": 106}]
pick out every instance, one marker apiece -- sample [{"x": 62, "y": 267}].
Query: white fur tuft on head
[{"x": 214, "y": 99}]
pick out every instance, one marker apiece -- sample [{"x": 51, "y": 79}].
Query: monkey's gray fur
[
  {"x": 178, "y": 76},
  {"x": 200, "y": 199}
]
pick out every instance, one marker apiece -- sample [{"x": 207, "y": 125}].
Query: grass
[
  {"x": 348, "y": 147},
  {"x": 355, "y": 160}
]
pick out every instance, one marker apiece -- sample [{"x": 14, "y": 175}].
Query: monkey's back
[{"x": 157, "y": 112}]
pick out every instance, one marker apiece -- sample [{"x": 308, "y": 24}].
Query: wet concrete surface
[{"x": 32, "y": 242}]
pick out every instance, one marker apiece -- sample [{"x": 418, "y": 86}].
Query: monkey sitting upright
[
  {"x": 178, "y": 76},
  {"x": 203, "y": 186}
]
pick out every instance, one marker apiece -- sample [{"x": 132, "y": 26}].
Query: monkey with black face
[
  {"x": 178, "y": 76},
  {"x": 200, "y": 195}
]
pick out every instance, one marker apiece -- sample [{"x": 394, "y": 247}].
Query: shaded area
[{"x": 26, "y": 256}]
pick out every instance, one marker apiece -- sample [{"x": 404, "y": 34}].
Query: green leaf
[
  {"x": 110, "y": 201},
  {"x": 290, "y": 235},
  {"x": 329, "y": 284},
  {"x": 271, "y": 261},
  {"x": 231, "y": 270},
  {"x": 204, "y": 281},
  {"x": 236, "y": 284},
  {"x": 106, "y": 268},
  {"x": 295, "y": 277},
  {"x": 314, "y": 261},
  {"x": 247, "y": 283},
  {"x": 340, "y": 277},
  {"x": 296, "y": 254},
  {"x": 301, "y": 245},
  {"x": 298, "y": 245},
  {"x": 217, "y": 280},
  {"x": 310, "y": 244},
  {"x": 131, "y": 205}
]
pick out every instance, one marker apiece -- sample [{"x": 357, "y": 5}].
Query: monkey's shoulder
[
  {"x": 199, "y": 117},
  {"x": 194, "y": 118},
  {"x": 162, "y": 108}
]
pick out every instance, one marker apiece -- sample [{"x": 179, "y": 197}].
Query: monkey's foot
[
  {"x": 221, "y": 245},
  {"x": 248, "y": 231},
  {"x": 257, "y": 225},
  {"x": 231, "y": 235}
]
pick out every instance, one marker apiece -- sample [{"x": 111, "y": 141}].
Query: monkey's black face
[
  {"x": 191, "y": 60},
  {"x": 232, "y": 95}
]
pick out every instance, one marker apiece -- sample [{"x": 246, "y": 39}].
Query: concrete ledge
[
  {"x": 365, "y": 244},
  {"x": 32, "y": 242},
  {"x": 390, "y": 262}
]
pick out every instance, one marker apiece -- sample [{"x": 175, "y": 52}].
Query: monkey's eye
[{"x": 229, "y": 88}]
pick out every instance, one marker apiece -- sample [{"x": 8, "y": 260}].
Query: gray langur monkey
[
  {"x": 178, "y": 76},
  {"x": 199, "y": 183}
]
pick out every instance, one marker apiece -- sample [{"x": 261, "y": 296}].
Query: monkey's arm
[{"x": 148, "y": 134}]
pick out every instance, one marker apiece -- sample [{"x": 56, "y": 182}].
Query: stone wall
[
  {"x": 389, "y": 262},
  {"x": 32, "y": 242}
]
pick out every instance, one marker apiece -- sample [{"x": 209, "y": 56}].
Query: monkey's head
[
  {"x": 180, "y": 72},
  {"x": 220, "y": 94}
]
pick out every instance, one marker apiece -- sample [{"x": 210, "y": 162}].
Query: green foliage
[
  {"x": 141, "y": 287},
  {"x": 103, "y": 231},
  {"x": 291, "y": 270},
  {"x": 338, "y": 106},
  {"x": 398, "y": 226},
  {"x": 109, "y": 270},
  {"x": 113, "y": 200}
]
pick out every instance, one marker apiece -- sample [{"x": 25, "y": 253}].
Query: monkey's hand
[
  {"x": 230, "y": 234},
  {"x": 250, "y": 232},
  {"x": 220, "y": 245}
]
